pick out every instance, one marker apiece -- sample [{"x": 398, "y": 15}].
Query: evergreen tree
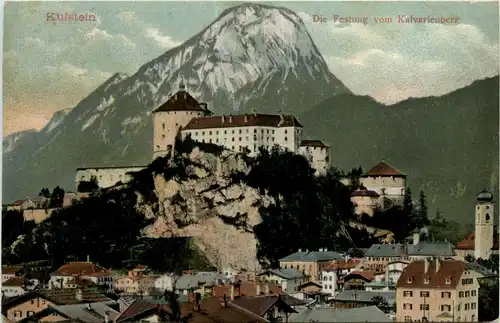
[
  {"x": 423, "y": 216},
  {"x": 44, "y": 192}
]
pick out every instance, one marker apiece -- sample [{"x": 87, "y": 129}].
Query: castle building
[
  {"x": 483, "y": 242},
  {"x": 382, "y": 186},
  {"x": 182, "y": 116}
]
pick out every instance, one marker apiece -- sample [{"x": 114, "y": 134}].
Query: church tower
[
  {"x": 172, "y": 116},
  {"x": 483, "y": 235}
]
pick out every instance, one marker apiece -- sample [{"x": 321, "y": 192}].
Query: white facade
[
  {"x": 394, "y": 270},
  {"x": 483, "y": 237},
  {"x": 167, "y": 125},
  {"x": 12, "y": 291},
  {"x": 288, "y": 285},
  {"x": 106, "y": 176},
  {"x": 165, "y": 282},
  {"x": 6, "y": 277},
  {"x": 385, "y": 186},
  {"x": 329, "y": 282},
  {"x": 251, "y": 137},
  {"x": 318, "y": 157}
]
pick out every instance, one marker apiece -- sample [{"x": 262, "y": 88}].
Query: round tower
[
  {"x": 171, "y": 117},
  {"x": 483, "y": 235}
]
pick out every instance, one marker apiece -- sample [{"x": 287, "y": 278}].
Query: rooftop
[
  {"x": 182, "y": 101},
  {"x": 312, "y": 256},
  {"x": 246, "y": 120},
  {"x": 364, "y": 296},
  {"x": 287, "y": 273},
  {"x": 361, "y": 314},
  {"x": 383, "y": 169},
  {"x": 78, "y": 268},
  {"x": 439, "y": 274},
  {"x": 313, "y": 143},
  {"x": 423, "y": 248},
  {"x": 342, "y": 264}
]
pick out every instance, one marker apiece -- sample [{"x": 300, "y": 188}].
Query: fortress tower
[
  {"x": 483, "y": 237},
  {"x": 172, "y": 116}
]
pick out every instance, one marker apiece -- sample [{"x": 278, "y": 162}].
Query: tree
[
  {"x": 44, "y": 192},
  {"x": 382, "y": 304},
  {"x": 488, "y": 301},
  {"x": 57, "y": 197},
  {"x": 423, "y": 216},
  {"x": 174, "y": 312},
  {"x": 408, "y": 203},
  {"x": 88, "y": 186}
]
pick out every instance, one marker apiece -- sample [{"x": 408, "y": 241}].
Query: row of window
[
  {"x": 467, "y": 293},
  {"x": 443, "y": 308},
  {"x": 424, "y": 319},
  {"x": 467, "y": 281},
  {"x": 20, "y": 313}
]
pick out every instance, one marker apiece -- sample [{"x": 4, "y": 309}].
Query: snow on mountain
[{"x": 252, "y": 57}]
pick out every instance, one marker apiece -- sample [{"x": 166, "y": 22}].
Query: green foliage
[
  {"x": 309, "y": 210},
  {"x": 44, "y": 192},
  {"x": 441, "y": 229},
  {"x": 394, "y": 219},
  {"x": 354, "y": 176},
  {"x": 382, "y": 304},
  {"x": 56, "y": 198},
  {"x": 488, "y": 301},
  {"x": 174, "y": 313}
]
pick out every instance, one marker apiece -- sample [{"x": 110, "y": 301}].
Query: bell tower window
[{"x": 488, "y": 217}]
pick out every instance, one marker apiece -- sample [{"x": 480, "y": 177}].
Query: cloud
[
  {"x": 162, "y": 40},
  {"x": 97, "y": 34}
]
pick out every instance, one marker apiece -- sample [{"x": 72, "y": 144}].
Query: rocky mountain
[
  {"x": 252, "y": 57},
  {"x": 447, "y": 145}
]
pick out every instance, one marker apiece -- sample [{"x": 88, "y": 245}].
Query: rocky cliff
[{"x": 208, "y": 205}]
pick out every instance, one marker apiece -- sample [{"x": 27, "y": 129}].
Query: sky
[{"x": 50, "y": 66}]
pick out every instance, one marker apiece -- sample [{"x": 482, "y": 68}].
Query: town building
[
  {"x": 311, "y": 263},
  {"x": 435, "y": 290},
  {"x": 29, "y": 304},
  {"x": 359, "y": 298},
  {"x": 357, "y": 280},
  {"x": 487, "y": 243},
  {"x": 137, "y": 282},
  {"x": 325, "y": 314},
  {"x": 289, "y": 279},
  {"x": 9, "y": 272},
  {"x": 165, "y": 282},
  {"x": 182, "y": 116},
  {"x": 15, "y": 286},
  {"x": 334, "y": 272},
  {"x": 70, "y": 275}
]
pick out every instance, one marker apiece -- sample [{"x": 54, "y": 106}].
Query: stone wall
[{"x": 37, "y": 215}]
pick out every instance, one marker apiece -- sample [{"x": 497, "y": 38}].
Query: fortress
[{"x": 182, "y": 115}]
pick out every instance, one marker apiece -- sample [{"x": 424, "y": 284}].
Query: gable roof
[
  {"x": 312, "y": 256},
  {"x": 383, "y": 169},
  {"x": 58, "y": 297},
  {"x": 78, "y": 268},
  {"x": 468, "y": 242},
  {"x": 414, "y": 274},
  {"x": 423, "y": 248},
  {"x": 313, "y": 143},
  {"x": 244, "y": 120},
  {"x": 342, "y": 264},
  {"x": 308, "y": 284},
  {"x": 16, "y": 282},
  {"x": 287, "y": 273},
  {"x": 11, "y": 270},
  {"x": 360, "y": 314},
  {"x": 260, "y": 305},
  {"x": 364, "y": 296},
  {"x": 181, "y": 101},
  {"x": 367, "y": 275},
  {"x": 95, "y": 314}
]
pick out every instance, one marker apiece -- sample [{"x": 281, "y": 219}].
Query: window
[
  {"x": 217, "y": 132},
  {"x": 331, "y": 278},
  {"x": 447, "y": 280},
  {"x": 247, "y": 131},
  {"x": 445, "y": 308},
  {"x": 232, "y": 131},
  {"x": 225, "y": 132},
  {"x": 467, "y": 294},
  {"x": 407, "y": 306},
  {"x": 29, "y": 313},
  {"x": 408, "y": 293},
  {"x": 239, "y": 139},
  {"x": 255, "y": 131},
  {"x": 286, "y": 131},
  {"x": 203, "y": 133},
  {"x": 210, "y": 133},
  {"x": 466, "y": 306},
  {"x": 240, "y": 130},
  {"x": 32, "y": 301},
  {"x": 162, "y": 136},
  {"x": 458, "y": 307},
  {"x": 487, "y": 217},
  {"x": 426, "y": 280},
  {"x": 424, "y": 294},
  {"x": 407, "y": 318},
  {"x": 163, "y": 126},
  {"x": 460, "y": 294},
  {"x": 232, "y": 139},
  {"x": 446, "y": 295},
  {"x": 472, "y": 306},
  {"x": 424, "y": 307},
  {"x": 473, "y": 293},
  {"x": 286, "y": 139}
]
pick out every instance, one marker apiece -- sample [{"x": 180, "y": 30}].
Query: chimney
[
  {"x": 79, "y": 294},
  {"x": 426, "y": 265},
  {"x": 89, "y": 307},
  {"x": 88, "y": 258},
  {"x": 266, "y": 289},
  {"x": 232, "y": 292},
  {"x": 230, "y": 119},
  {"x": 300, "y": 250},
  {"x": 416, "y": 237},
  {"x": 222, "y": 119},
  {"x": 320, "y": 249},
  {"x": 438, "y": 265},
  {"x": 106, "y": 317},
  {"x": 246, "y": 118},
  {"x": 258, "y": 289}
]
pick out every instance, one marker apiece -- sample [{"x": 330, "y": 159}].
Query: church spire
[{"x": 182, "y": 86}]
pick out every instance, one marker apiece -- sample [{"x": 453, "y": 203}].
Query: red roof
[
  {"x": 11, "y": 270},
  {"x": 468, "y": 242},
  {"x": 383, "y": 169},
  {"x": 18, "y": 202},
  {"x": 81, "y": 268},
  {"x": 182, "y": 101},
  {"x": 342, "y": 264},
  {"x": 313, "y": 143},
  {"x": 16, "y": 282},
  {"x": 448, "y": 274},
  {"x": 368, "y": 275},
  {"x": 245, "y": 120}
]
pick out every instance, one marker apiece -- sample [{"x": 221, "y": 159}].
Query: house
[
  {"x": 15, "y": 286},
  {"x": 333, "y": 272},
  {"x": 71, "y": 197},
  {"x": 84, "y": 313},
  {"x": 24, "y": 204},
  {"x": 311, "y": 263},
  {"x": 244, "y": 276},
  {"x": 74, "y": 274},
  {"x": 208, "y": 310},
  {"x": 356, "y": 280},
  {"x": 270, "y": 308},
  {"x": 380, "y": 286},
  {"x": 9, "y": 272},
  {"x": 248, "y": 288},
  {"x": 201, "y": 282},
  {"x": 165, "y": 282},
  {"x": 378, "y": 256},
  {"x": 289, "y": 279},
  {"x": 28, "y": 304},
  {"x": 137, "y": 282},
  {"x": 437, "y": 291},
  {"x": 229, "y": 274},
  {"x": 394, "y": 270},
  {"x": 324, "y": 315},
  {"x": 361, "y": 298}
]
